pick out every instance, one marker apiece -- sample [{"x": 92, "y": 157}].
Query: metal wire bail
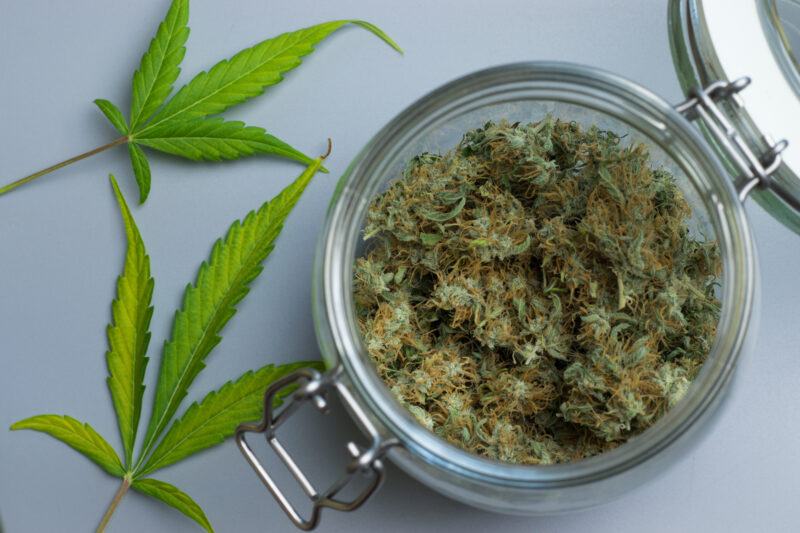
[
  {"x": 755, "y": 170},
  {"x": 313, "y": 386}
]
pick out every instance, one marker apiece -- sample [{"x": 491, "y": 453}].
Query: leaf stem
[
  {"x": 48, "y": 170},
  {"x": 126, "y": 483}
]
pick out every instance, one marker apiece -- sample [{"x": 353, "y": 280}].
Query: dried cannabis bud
[{"x": 536, "y": 296}]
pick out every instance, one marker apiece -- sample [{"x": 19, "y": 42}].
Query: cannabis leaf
[
  {"x": 212, "y": 139},
  {"x": 210, "y": 421},
  {"x": 158, "y": 70},
  {"x": 128, "y": 335},
  {"x": 80, "y": 436},
  {"x": 247, "y": 73},
  {"x": 222, "y": 282},
  {"x": 173, "y": 497},
  {"x": 181, "y": 125}
]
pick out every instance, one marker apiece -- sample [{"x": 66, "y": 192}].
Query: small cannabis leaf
[
  {"x": 212, "y": 139},
  {"x": 210, "y": 421},
  {"x": 158, "y": 70},
  {"x": 181, "y": 125},
  {"x": 173, "y": 497},
  {"x": 80, "y": 436},
  {"x": 222, "y": 282}
]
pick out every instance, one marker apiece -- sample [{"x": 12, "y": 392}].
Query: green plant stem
[
  {"x": 48, "y": 170},
  {"x": 126, "y": 483}
]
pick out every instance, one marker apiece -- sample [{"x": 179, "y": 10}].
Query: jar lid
[{"x": 757, "y": 39}]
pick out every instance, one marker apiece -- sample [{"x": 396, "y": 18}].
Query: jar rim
[{"x": 333, "y": 305}]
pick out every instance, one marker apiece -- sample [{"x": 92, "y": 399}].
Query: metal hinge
[
  {"x": 755, "y": 170},
  {"x": 313, "y": 387}
]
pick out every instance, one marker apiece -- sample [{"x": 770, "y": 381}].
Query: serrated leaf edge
[
  {"x": 260, "y": 378},
  {"x": 170, "y": 38},
  {"x": 48, "y": 423},
  {"x": 113, "y": 114},
  {"x": 131, "y": 313},
  {"x": 216, "y": 139},
  {"x": 160, "y": 490}
]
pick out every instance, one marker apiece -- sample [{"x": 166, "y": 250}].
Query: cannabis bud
[{"x": 536, "y": 295}]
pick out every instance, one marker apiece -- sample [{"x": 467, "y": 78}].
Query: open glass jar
[{"x": 527, "y": 92}]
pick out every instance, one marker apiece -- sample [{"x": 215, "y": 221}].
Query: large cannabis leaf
[
  {"x": 181, "y": 125},
  {"x": 207, "y": 306}
]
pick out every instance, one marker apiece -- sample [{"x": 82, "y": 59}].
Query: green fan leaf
[
  {"x": 172, "y": 126},
  {"x": 113, "y": 114},
  {"x": 173, "y": 497},
  {"x": 217, "y": 416},
  {"x": 79, "y": 436},
  {"x": 158, "y": 70},
  {"x": 215, "y": 139},
  {"x": 247, "y": 73},
  {"x": 128, "y": 335},
  {"x": 210, "y": 303}
]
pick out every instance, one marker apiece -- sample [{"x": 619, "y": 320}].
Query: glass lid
[
  {"x": 782, "y": 27},
  {"x": 759, "y": 39}
]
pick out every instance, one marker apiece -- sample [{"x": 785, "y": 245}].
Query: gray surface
[{"x": 62, "y": 248}]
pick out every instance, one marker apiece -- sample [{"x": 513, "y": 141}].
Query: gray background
[{"x": 62, "y": 246}]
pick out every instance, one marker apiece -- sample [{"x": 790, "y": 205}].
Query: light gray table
[{"x": 62, "y": 246}]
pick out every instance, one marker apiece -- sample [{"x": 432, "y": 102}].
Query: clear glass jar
[{"x": 521, "y": 92}]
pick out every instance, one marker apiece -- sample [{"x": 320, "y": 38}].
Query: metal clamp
[
  {"x": 313, "y": 386},
  {"x": 755, "y": 170}
]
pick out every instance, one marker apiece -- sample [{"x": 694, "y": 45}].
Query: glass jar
[{"x": 528, "y": 92}]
